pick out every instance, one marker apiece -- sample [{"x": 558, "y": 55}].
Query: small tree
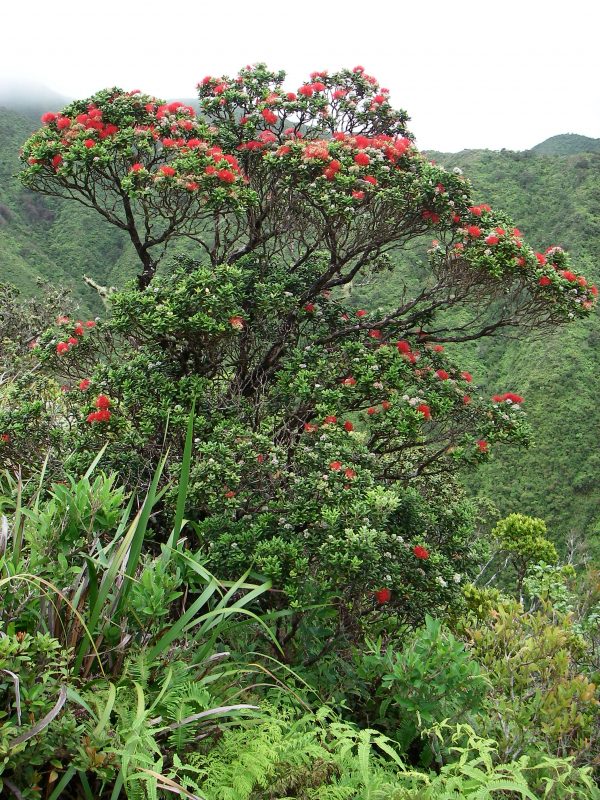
[
  {"x": 327, "y": 436},
  {"x": 522, "y": 539}
]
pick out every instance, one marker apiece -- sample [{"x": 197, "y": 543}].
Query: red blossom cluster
[
  {"x": 424, "y": 409},
  {"x": 102, "y": 414},
  {"x": 78, "y": 331},
  {"x": 508, "y": 397},
  {"x": 172, "y": 127},
  {"x": 383, "y": 596},
  {"x": 336, "y": 466},
  {"x": 420, "y": 552}
]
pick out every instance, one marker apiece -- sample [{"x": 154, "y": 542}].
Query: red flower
[
  {"x": 386, "y": 405},
  {"x": 78, "y": 329},
  {"x": 167, "y": 171},
  {"x": 306, "y": 91},
  {"x": 72, "y": 340},
  {"x": 442, "y": 374},
  {"x": 335, "y": 466},
  {"x": 5, "y": 437},
  {"x": 230, "y": 494},
  {"x": 403, "y": 347},
  {"x": 466, "y": 376},
  {"x": 568, "y": 275},
  {"x": 318, "y": 87},
  {"x": 350, "y": 381},
  {"x": 84, "y": 384},
  {"x": 309, "y": 427},
  {"x": 502, "y": 398},
  {"x": 291, "y": 96},
  {"x": 309, "y": 308},
  {"x": 348, "y": 426},
  {"x": 425, "y": 410},
  {"x": 48, "y": 117},
  {"x": 466, "y": 400},
  {"x": 269, "y": 116},
  {"x": 260, "y": 458},
  {"x": 421, "y": 552},
  {"x": 438, "y": 348},
  {"x": 361, "y": 313},
  {"x": 89, "y": 143},
  {"x": 226, "y": 175},
  {"x": 375, "y": 334},
  {"x": 102, "y": 401},
  {"x": 473, "y": 231},
  {"x": 482, "y": 445},
  {"x": 594, "y": 290},
  {"x": 541, "y": 258},
  {"x": 383, "y": 596},
  {"x": 372, "y": 410},
  {"x": 99, "y": 416},
  {"x": 90, "y": 324},
  {"x": 491, "y": 239},
  {"x": 136, "y": 167},
  {"x": 62, "y": 347},
  {"x": 349, "y": 473},
  {"x": 57, "y": 161},
  {"x": 330, "y": 420},
  {"x": 370, "y": 179},
  {"x": 237, "y": 323},
  {"x": 362, "y": 159},
  {"x": 544, "y": 281},
  {"x": 357, "y": 195}
]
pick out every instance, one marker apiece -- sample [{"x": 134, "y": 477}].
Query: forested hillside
[
  {"x": 47, "y": 238},
  {"x": 555, "y": 199}
]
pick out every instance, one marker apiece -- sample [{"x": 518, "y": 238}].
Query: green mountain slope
[
  {"x": 554, "y": 200},
  {"x": 567, "y": 144},
  {"x": 42, "y": 237}
]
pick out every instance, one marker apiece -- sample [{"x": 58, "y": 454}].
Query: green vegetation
[
  {"x": 567, "y": 144},
  {"x": 236, "y": 556}
]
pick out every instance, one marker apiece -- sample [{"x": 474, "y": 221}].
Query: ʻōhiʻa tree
[{"x": 326, "y": 436}]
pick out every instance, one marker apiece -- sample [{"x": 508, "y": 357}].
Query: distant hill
[
  {"x": 566, "y": 144},
  {"x": 30, "y": 99}
]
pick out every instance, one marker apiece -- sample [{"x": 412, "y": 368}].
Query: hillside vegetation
[
  {"x": 555, "y": 201},
  {"x": 566, "y": 144}
]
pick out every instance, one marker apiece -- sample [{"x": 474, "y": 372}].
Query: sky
[{"x": 470, "y": 74}]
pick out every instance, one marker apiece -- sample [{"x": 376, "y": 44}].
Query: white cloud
[{"x": 470, "y": 74}]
